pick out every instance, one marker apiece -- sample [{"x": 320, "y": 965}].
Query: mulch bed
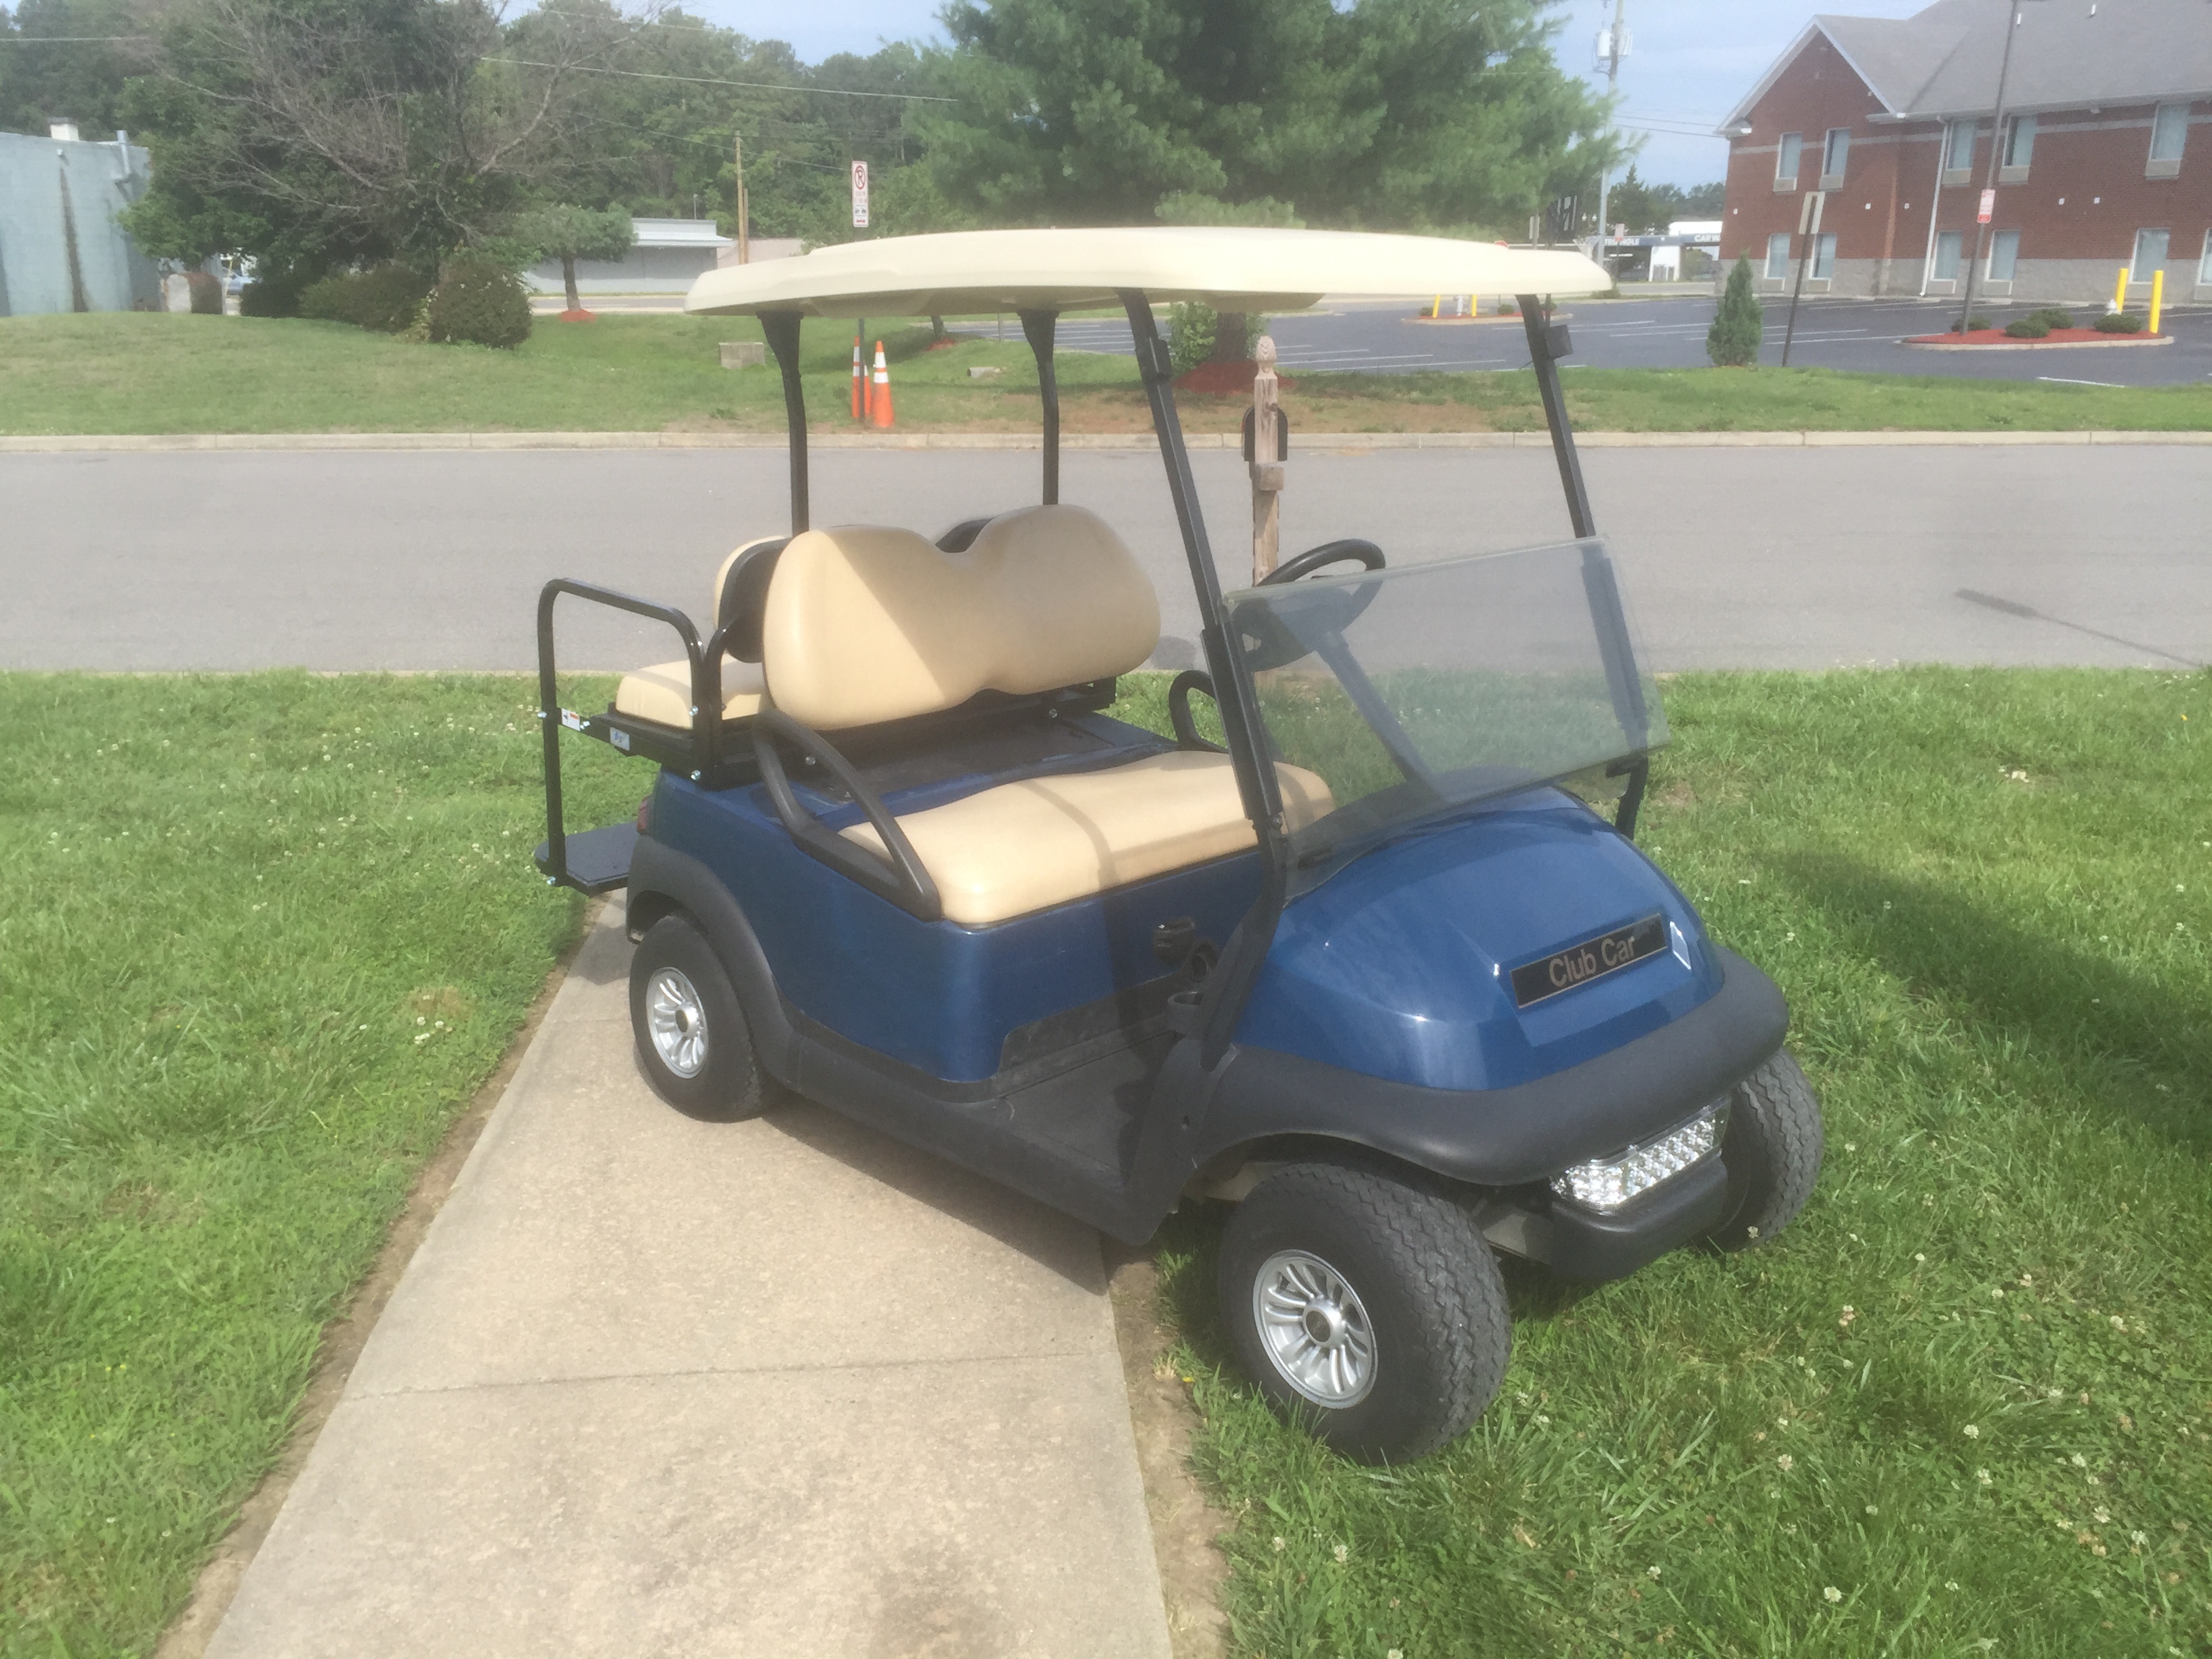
[
  {"x": 1226, "y": 380},
  {"x": 1998, "y": 336}
]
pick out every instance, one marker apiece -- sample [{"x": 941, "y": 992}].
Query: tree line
[{"x": 320, "y": 134}]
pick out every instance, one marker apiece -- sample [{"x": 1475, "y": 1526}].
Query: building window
[
  {"x": 2004, "y": 255},
  {"x": 2019, "y": 144},
  {"x": 2150, "y": 254},
  {"x": 2204, "y": 264},
  {"x": 1824, "y": 256},
  {"x": 1833, "y": 156},
  {"x": 1949, "y": 249},
  {"x": 1785, "y": 163},
  {"x": 2169, "y": 135},
  {"x": 1778, "y": 256},
  {"x": 1958, "y": 151}
]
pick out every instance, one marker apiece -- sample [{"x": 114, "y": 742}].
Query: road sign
[
  {"x": 1989, "y": 206},
  {"x": 860, "y": 195},
  {"x": 1808, "y": 215}
]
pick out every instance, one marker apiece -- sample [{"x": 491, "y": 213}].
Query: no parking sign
[{"x": 860, "y": 195}]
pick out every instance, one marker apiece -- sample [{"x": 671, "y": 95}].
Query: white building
[{"x": 668, "y": 254}]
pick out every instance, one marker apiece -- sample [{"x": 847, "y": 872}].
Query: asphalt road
[
  {"x": 1860, "y": 335},
  {"x": 1786, "y": 558}
]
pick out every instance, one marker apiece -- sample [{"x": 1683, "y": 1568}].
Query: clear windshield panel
[{"x": 1410, "y": 691}]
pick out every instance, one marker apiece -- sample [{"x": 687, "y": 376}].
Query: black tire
[
  {"x": 1772, "y": 1152},
  {"x": 1433, "y": 1300},
  {"x": 726, "y": 1085}
]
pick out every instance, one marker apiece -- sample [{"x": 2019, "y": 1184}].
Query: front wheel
[
  {"x": 690, "y": 1033},
  {"x": 1367, "y": 1310},
  {"x": 1772, "y": 1150}
]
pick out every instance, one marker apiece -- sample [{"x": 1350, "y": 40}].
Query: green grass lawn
[
  {"x": 264, "y": 934},
  {"x": 1966, "y": 1403},
  {"x": 139, "y": 373},
  {"x": 262, "y": 937}
]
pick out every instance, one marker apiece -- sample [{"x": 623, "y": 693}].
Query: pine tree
[{"x": 1732, "y": 342}]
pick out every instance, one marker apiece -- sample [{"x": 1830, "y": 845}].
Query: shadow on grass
[{"x": 2115, "y": 1036}]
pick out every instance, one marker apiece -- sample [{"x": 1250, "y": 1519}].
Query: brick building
[{"x": 2106, "y": 160}]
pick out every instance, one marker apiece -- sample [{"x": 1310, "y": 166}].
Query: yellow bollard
[
  {"x": 1437, "y": 307},
  {"x": 2157, "y": 296},
  {"x": 2120, "y": 291}
]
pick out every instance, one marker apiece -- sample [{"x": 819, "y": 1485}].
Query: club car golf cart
[{"x": 1376, "y": 970}]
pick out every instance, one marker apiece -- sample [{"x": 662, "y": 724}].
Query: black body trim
[
  {"x": 1507, "y": 1137},
  {"x": 1592, "y": 1247}
]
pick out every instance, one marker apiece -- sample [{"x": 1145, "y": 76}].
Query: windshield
[{"x": 1410, "y": 690}]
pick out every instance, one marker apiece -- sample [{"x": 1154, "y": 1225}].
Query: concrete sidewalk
[{"x": 658, "y": 1386}]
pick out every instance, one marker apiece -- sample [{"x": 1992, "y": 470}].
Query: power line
[
  {"x": 717, "y": 81},
  {"x": 69, "y": 39}
]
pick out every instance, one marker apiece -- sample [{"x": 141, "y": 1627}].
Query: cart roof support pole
[
  {"x": 1230, "y": 984},
  {"x": 782, "y": 328},
  {"x": 1039, "y": 326},
  {"x": 1548, "y": 343}
]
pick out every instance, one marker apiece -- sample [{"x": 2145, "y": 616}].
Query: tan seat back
[{"x": 866, "y": 624}]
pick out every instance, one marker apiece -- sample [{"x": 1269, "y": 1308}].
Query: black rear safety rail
[{"x": 706, "y": 666}]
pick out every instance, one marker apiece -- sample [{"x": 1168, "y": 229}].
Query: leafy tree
[
  {"x": 570, "y": 233},
  {"x": 79, "y": 78},
  {"x": 1405, "y": 113},
  {"x": 1733, "y": 340},
  {"x": 1649, "y": 209}
]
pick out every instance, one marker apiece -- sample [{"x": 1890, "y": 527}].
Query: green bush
[
  {"x": 1733, "y": 340},
  {"x": 1973, "y": 325},
  {"x": 1191, "y": 330},
  {"x": 206, "y": 292},
  {"x": 2027, "y": 328},
  {"x": 478, "y": 302},
  {"x": 384, "y": 298},
  {"x": 2057, "y": 317},
  {"x": 273, "y": 292},
  {"x": 2119, "y": 322}
]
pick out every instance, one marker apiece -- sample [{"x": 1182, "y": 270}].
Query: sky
[{"x": 1690, "y": 60}]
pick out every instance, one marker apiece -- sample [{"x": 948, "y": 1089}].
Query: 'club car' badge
[{"x": 1594, "y": 959}]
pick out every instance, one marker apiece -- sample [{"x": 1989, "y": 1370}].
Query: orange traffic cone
[
  {"x": 879, "y": 394},
  {"x": 859, "y": 382}
]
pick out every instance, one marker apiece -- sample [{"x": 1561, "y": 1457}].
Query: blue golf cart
[{"x": 1383, "y": 968}]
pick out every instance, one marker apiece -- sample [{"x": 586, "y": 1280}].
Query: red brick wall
[{"x": 1882, "y": 209}]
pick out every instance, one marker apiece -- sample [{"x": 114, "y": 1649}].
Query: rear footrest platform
[{"x": 598, "y": 859}]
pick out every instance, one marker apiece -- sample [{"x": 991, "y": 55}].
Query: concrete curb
[{"x": 169, "y": 443}]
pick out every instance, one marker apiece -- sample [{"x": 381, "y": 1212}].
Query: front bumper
[{"x": 1592, "y": 1246}]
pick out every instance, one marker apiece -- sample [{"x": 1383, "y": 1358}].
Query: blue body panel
[
  {"x": 1399, "y": 966},
  {"x": 933, "y": 994}
]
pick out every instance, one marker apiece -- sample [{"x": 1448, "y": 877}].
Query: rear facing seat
[
  {"x": 865, "y": 625},
  {"x": 663, "y": 692}
]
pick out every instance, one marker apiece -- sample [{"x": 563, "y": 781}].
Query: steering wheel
[
  {"x": 1269, "y": 642},
  {"x": 1348, "y": 551}
]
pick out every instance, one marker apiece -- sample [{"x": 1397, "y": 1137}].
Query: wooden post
[
  {"x": 1267, "y": 470},
  {"x": 744, "y": 236}
]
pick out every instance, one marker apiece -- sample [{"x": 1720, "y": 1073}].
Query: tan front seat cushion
[
  {"x": 1027, "y": 845},
  {"x": 663, "y": 692},
  {"x": 866, "y": 624}
]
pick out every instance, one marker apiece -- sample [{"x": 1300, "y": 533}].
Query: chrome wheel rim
[
  {"x": 676, "y": 1021},
  {"x": 1315, "y": 1327}
]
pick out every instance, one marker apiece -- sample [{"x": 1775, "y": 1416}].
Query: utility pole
[
  {"x": 1988, "y": 212},
  {"x": 744, "y": 234},
  {"x": 1612, "y": 47}
]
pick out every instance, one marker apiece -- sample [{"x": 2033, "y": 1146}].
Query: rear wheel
[
  {"x": 1773, "y": 1153},
  {"x": 1365, "y": 1308},
  {"x": 691, "y": 1035}
]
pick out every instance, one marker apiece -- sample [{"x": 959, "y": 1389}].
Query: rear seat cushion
[
  {"x": 1041, "y": 841},
  {"x": 866, "y": 624},
  {"x": 663, "y": 692}
]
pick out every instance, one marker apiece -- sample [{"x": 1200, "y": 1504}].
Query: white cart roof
[{"x": 965, "y": 273}]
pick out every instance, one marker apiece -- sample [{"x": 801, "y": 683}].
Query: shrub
[
  {"x": 2057, "y": 317},
  {"x": 1191, "y": 328},
  {"x": 479, "y": 302},
  {"x": 274, "y": 292},
  {"x": 1733, "y": 340},
  {"x": 207, "y": 292},
  {"x": 1974, "y": 325},
  {"x": 384, "y": 299},
  {"x": 2027, "y": 328},
  {"x": 2119, "y": 322}
]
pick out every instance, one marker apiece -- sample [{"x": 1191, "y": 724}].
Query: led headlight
[{"x": 1606, "y": 1184}]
